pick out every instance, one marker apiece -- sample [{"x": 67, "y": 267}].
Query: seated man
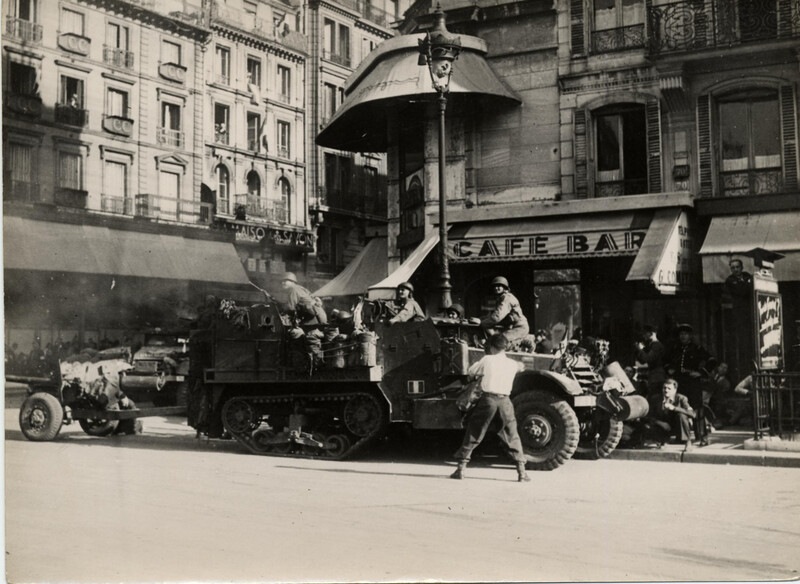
[
  {"x": 507, "y": 317},
  {"x": 408, "y": 309},
  {"x": 301, "y": 304},
  {"x": 670, "y": 413}
]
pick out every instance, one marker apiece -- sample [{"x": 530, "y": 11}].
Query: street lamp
[{"x": 438, "y": 50}]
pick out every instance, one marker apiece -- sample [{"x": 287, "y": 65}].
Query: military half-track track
[{"x": 332, "y": 426}]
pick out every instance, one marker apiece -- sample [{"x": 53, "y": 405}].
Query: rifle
[{"x": 266, "y": 294}]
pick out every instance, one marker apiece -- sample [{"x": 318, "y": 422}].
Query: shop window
[
  {"x": 223, "y": 61},
  {"x": 621, "y": 151},
  {"x": 20, "y": 173},
  {"x": 221, "y": 123},
  {"x": 559, "y": 310},
  {"x": 223, "y": 189},
  {"x": 72, "y": 22},
  {"x": 617, "y": 25},
  {"x": 254, "y": 72}
]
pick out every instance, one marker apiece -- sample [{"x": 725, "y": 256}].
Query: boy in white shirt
[{"x": 496, "y": 372}]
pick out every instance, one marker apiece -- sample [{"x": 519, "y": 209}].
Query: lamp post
[{"x": 438, "y": 50}]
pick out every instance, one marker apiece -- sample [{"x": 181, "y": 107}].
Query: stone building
[{"x": 618, "y": 142}]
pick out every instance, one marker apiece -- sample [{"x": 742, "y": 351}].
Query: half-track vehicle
[{"x": 312, "y": 391}]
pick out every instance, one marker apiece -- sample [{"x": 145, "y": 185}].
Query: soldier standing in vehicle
[
  {"x": 409, "y": 310},
  {"x": 301, "y": 303},
  {"x": 496, "y": 373},
  {"x": 507, "y": 317}
]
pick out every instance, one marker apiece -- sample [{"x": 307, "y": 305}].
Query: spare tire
[{"x": 41, "y": 417}]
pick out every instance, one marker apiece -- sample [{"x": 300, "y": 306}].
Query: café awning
[
  {"x": 390, "y": 75},
  {"x": 368, "y": 267},
  {"x": 733, "y": 235},
  {"x": 665, "y": 258},
  {"x": 386, "y": 288},
  {"x": 33, "y": 245}
]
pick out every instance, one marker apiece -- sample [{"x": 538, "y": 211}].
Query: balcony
[
  {"x": 118, "y": 57},
  {"x": 374, "y": 14},
  {"x": 762, "y": 181},
  {"x": 118, "y": 205},
  {"x": 23, "y": 191},
  {"x": 173, "y": 72},
  {"x": 26, "y": 105},
  {"x": 618, "y": 39},
  {"x": 221, "y": 135},
  {"x": 343, "y": 60},
  {"x": 24, "y": 30},
  {"x": 72, "y": 116},
  {"x": 619, "y": 188},
  {"x": 172, "y": 209},
  {"x": 285, "y": 98},
  {"x": 283, "y": 152},
  {"x": 256, "y": 207},
  {"x": 261, "y": 28},
  {"x": 690, "y": 25},
  {"x": 170, "y": 138},
  {"x": 67, "y": 197},
  {"x": 118, "y": 125},
  {"x": 75, "y": 43},
  {"x": 355, "y": 201}
]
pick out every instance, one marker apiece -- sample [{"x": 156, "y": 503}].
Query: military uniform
[
  {"x": 507, "y": 318},
  {"x": 409, "y": 311}
]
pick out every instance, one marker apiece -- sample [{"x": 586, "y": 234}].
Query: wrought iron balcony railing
[
  {"x": 691, "y": 25},
  {"x": 118, "y": 57},
  {"x": 618, "y": 39},
  {"x": 116, "y": 204},
  {"x": 256, "y": 207},
  {"x": 221, "y": 135},
  {"x": 68, "y": 197},
  {"x": 172, "y": 209},
  {"x": 283, "y": 152},
  {"x": 337, "y": 58},
  {"x": 761, "y": 181},
  {"x": 24, "y": 30},
  {"x": 247, "y": 22},
  {"x": 18, "y": 190},
  {"x": 72, "y": 116},
  {"x": 172, "y": 138},
  {"x": 619, "y": 188}
]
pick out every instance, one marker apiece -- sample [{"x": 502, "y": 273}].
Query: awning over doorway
[
  {"x": 386, "y": 288},
  {"x": 392, "y": 73},
  {"x": 731, "y": 236},
  {"x": 34, "y": 245},
  {"x": 368, "y": 267},
  {"x": 665, "y": 258}
]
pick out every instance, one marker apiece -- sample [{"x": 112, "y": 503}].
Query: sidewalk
[{"x": 728, "y": 446}]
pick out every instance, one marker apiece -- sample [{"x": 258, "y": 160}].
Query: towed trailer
[{"x": 53, "y": 403}]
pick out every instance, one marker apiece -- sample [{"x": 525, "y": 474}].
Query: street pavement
[{"x": 165, "y": 506}]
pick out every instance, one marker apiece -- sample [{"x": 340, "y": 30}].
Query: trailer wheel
[
  {"x": 40, "y": 417},
  {"x": 98, "y": 426},
  {"x": 548, "y": 429},
  {"x": 599, "y": 437}
]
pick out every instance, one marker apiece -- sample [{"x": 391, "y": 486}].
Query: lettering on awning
[
  {"x": 254, "y": 233},
  {"x": 676, "y": 270},
  {"x": 579, "y": 244}
]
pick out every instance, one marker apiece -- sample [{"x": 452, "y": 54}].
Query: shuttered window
[
  {"x": 117, "y": 103},
  {"x": 581, "y": 175},
  {"x": 789, "y": 125},
  {"x": 653, "y": 113},
  {"x": 71, "y": 21},
  {"x": 70, "y": 170},
  {"x": 115, "y": 179},
  {"x": 19, "y": 180},
  {"x": 577, "y": 28},
  {"x": 621, "y": 151}
]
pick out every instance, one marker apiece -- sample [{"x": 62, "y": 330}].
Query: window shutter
[
  {"x": 704, "y": 145},
  {"x": 577, "y": 27},
  {"x": 653, "y": 113},
  {"x": 581, "y": 175},
  {"x": 789, "y": 135}
]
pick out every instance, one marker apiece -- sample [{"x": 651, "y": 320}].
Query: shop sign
[
  {"x": 579, "y": 244},
  {"x": 252, "y": 233},
  {"x": 674, "y": 271}
]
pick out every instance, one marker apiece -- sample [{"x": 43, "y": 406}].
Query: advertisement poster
[{"x": 769, "y": 335}]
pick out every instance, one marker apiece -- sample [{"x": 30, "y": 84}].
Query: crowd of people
[{"x": 43, "y": 361}]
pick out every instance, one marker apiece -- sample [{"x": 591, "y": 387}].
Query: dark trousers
[
  {"x": 489, "y": 406},
  {"x": 693, "y": 390},
  {"x": 660, "y": 429}
]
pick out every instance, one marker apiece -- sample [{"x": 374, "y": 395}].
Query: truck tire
[
  {"x": 548, "y": 429},
  {"x": 599, "y": 440},
  {"x": 41, "y": 417},
  {"x": 98, "y": 426}
]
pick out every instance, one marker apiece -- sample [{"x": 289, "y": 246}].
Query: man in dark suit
[{"x": 670, "y": 413}]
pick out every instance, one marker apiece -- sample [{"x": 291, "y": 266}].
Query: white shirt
[{"x": 498, "y": 373}]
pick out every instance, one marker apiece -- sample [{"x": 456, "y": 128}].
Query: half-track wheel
[
  {"x": 337, "y": 444},
  {"x": 239, "y": 416},
  {"x": 363, "y": 415}
]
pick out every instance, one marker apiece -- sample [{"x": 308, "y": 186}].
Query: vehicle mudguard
[{"x": 557, "y": 382}]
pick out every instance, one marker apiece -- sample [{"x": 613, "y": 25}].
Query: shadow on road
[{"x": 445, "y": 473}]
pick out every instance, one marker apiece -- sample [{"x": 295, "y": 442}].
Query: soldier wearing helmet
[
  {"x": 507, "y": 317},
  {"x": 301, "y": 303},
  {"x": 408, "y": 309}
]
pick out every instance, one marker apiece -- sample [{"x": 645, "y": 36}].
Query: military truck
[{"x": 284, "y": 390}]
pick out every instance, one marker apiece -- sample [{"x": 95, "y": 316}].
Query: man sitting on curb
[{"x": 669, "y": 413}]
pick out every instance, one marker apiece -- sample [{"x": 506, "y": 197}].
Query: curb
[{"x": 727, "y": 457}]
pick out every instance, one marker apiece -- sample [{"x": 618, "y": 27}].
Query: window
[
  {"x": 253, "y": 184},
  {"x": 750, "y": 143},
  {"x": 71, "y": 21},
  {"x": 221, "y": 123},
  {"x": 329, "y": 101},
  {"x": 328, "y": 244},
  {"x": 621, "y": 151},
  {"x": 117, "y": 102},
  {"x": 223, "y": 189},
  {"x": 253, "y": 131},
  {"x": 169, "y": 191},
  {"x": 223, "y": 65},
  {"x": 24, "y": 10},
  {"x": 117, "y": 36},
  {"x": 115, "y": 187},
  {"x": 285, "y": 82},
  {"x": 367, "y": 46},
  {"x": 329, "y": 34},
  {"x": 618, "y": 25},
  {"x": 170, "y": 52},
  {"x": 284, "y": 142},
  {"x": 70, "y": 170},
  {"x": 22, "y": 79},
  {"x": 344, "y": 43},
  {"x": 286, "y": 199},
  {"x": 72, "y": 91},
  {"x": 254, "y": 72},
  {"x": 18, "y": 172},
  {"x": 170, "y": 116}
]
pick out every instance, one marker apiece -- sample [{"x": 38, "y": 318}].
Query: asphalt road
[{"x": 166, "y": 507}]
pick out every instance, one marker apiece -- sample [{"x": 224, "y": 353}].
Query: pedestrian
[
  {"x": 669, "y": 413},
  {"x": 304, "y": 307},
  {"x": 407, "y": 308},
  {"x": 507, "y": 317},
  {"x": 686, "y": 362},
  {"x": 650, "y": 352},
  {"x": 496, "y": 373}
]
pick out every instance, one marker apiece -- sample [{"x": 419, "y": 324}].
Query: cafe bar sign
[
  {"x": 579, "y": 244},
  {"x": 263, "y": 234}
]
